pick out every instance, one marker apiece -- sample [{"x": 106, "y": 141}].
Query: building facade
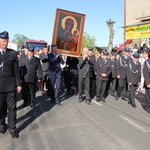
[{"x": 137, "y": 22}]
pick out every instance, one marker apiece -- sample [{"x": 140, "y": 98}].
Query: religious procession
[{"x": 65, "y": 68}]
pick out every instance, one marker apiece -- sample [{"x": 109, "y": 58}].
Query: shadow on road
[
  {"x": 42, "y": 105},
  {"x": 141, "y": 98}
]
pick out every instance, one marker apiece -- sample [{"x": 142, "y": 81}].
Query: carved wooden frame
[{"x": 65, "y": 44}]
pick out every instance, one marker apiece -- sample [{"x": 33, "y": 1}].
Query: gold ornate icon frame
[{"x": 68, "y": 32}]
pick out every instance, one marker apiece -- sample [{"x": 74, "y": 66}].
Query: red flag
[
  {"x": 121, "y": 46},
  {"x": 128, "y": 42}
]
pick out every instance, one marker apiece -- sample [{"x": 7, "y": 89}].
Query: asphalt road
[{"x": 114, "y": 125}]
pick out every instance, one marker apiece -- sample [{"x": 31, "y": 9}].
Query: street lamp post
[{"x": 110, "y": 25}]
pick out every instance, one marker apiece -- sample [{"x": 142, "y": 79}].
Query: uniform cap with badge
[
  {"x": 106, "y": 53},
  {"x": 126, "y": 49},
  {"x": 103, "y": 51},
  {"x": 31, "y": 49},
  {"x": 146, "y": 50},
  {"x": 113, "y": 53},
  {"x": 25, "y": 46},
  {"x": 53, "y": 45},
  {"x": 90, "y": 49},
  {"x": 4, "y": 35},
  {"x": 136, "y": 55}
]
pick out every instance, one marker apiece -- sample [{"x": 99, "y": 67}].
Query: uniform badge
[{"x": 1, "y": 65}]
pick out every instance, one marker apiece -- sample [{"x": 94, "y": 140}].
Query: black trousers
[
  {"x": 122, "y": 87},
  {"x": 84, "y": 87},
  {"x": 113, "y": 85},
  {"x": 29, "y": 91},
  {"x": 132, "y": 90},
  {"x": 44, "y": 80},
  {"x": 101, "y": 88},
  {"x": 72, "y": 81},
  {"x": 92, "y": 79},
  {"x": 8, "y": 102},
  {"x": 147, "y": 98},
  {"x": 54, "y": 86}
]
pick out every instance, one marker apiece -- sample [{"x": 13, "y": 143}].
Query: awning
[
  {"x": 136, "y": 24},
  {"x": 101, "y": 48},
  {"x": 139, "y": 30},
  {"x": 145, "y": 18}
]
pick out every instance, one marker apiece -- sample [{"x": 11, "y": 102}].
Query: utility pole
[{"x": 110, "y": 25}]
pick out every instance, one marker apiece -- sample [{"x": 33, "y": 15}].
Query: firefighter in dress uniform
[
  {"x": 31, "y": 71},
  {"x": 133, "y": 78},
  {"x": 122, "y": 66},
  {"x": 10, "y": 83},
  {"x": 103, "y": 68}
]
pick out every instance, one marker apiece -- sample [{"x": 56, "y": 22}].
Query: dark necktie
[
  {"x": 30, "y": 58},
  {"x": 3, "y": 52}
]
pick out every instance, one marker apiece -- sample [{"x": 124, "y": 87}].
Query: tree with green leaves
[
  {"x": 88, "y": 41},
  {"x": 19, "y": 39}
]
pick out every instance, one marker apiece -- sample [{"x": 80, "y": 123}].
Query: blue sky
[{"x": 35, "y": 18}]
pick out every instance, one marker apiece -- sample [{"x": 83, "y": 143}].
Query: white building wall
[
  {"x": 13, "y": 46},
  {"x": 136, "y": 9}
]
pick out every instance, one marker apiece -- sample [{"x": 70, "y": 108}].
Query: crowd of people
[{"x": 119, "y": 74}]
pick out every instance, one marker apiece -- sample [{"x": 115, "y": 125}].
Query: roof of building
[
  {"x": 136, "y": 24},
  {"x": 104, "y": 48}
]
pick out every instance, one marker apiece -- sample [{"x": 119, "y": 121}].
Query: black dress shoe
[
  {"x": 81, "y": 99},
  {"x": 117, "y": 97},
  {"x": 148, "y": 110},
  {"x": 88, "y": 102},
  {"x": 48, "y": 93},
  {"x": 58, "y": 103},
  {"x": 113, "y": 95},
  {"x": 103, "y": 100},
  {"x": 25, "y": 104},
  {"x": 42, "y": 93},
  {"x": 97, "y": 99},
  {"x": 32, "y": 105},
  {"x": 52, "y": 102},
  {"x": 3, "y": 129},
  {"x": 133, "y": 105},
  {"x": 125, "y": 99},
  {"x": 14, "y": 134}
]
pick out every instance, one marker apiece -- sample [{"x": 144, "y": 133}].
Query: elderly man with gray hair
[{"x": 85, "y": 64}]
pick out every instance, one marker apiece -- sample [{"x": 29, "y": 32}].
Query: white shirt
[{"x": 2, "y": 51}]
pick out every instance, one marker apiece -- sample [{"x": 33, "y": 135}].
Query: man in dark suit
[
  {"x": 72, "y": 74},
  {"x": 133, "y": 78},
  {"x": 103, "y": 68},
  {"x": 85, "y": 64},
  {"x": 31, "y": 71},
  {"x": 54, "y": 74},
  {"x": 93, "y": 77},
  {"x": 9, "y": 83},
  {"x": 146, "y": 73},
  {"x": 22, "y": 56},
  {"x": 25, "y": 51},
  {"x": 45, "y": 65},
  {"x": 122, "y": 66},
  {"x": 113, "y": 75}
]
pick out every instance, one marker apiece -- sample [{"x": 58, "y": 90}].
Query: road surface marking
[
  {"x": 97, "y": 103},
  {"x": 134, "y": 124}
]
